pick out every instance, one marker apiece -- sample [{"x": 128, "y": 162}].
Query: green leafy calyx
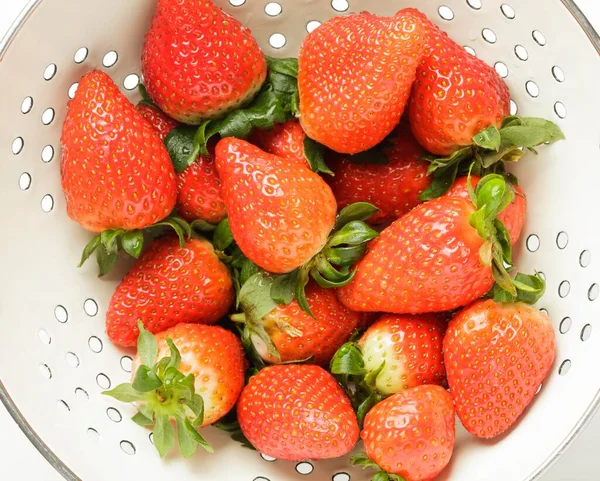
[
  {"x": 164, "y": 394},
  {"x": 361, "y": 459}
]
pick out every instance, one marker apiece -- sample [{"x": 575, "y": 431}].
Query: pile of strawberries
[{"x": 346, "y": 217}]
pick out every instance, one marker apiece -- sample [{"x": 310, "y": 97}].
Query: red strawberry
[
  {"x": 297, "y": 412},
  {"x": 190, "y": 374},
  {"x": 280, "y": 213},
  {"x": 394, "y": 188},
  {"x": 297, "y": 336},
  {"x": 497, "y": 355},
  {"x": 199, "y": 62},
  {"x": 161, "y": 122},
  {"x": 116, "y": 172},
  {"x": 410, "y": 434},
  {"x": 455, "y": 95},
  {"x": 432, "y": 259},
  {"x": 168, "y": 285},
  {"x": 513, "y": 217},
  {"x": 284, "y": 140},
  {"x": 410, "y": 347},
  {"x": 355, "y": 75},
  {"x": 200, "y": 195}
]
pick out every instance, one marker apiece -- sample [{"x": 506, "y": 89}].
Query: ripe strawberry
[
  {"x": 192, "y": 374},
  {"x": 116, "y": 172},
  {"x": 410, "y": 347},
  {"x": 297, "y": 412},
  {"x": 410, "y": 434},
  {"x": 455, "y": 95},
  {"x": 161, "y": 122},
  {"x": 497, "y": 355},
  {"x": 437, "y": 257},
  {"x": 200, "y": 196},
  {"x": 199, "y": 62},
  {"x": 297, "y": 336},
  {"x": 284, "y": 140},
  {"x": 273, "y": 206},
  {"x": 168, "y": 285},
  {"x": 355, "y": 75},
  {"x": 394, "y": 187},
  {"x": 513, "y": 217}
]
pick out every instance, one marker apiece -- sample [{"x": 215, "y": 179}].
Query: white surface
[{"x": 19, "y": 460}]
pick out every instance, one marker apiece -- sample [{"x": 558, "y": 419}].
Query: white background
[{"x": 20, "y": 460}]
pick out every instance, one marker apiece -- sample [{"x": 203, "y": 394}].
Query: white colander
[{"x": 55, "y": 358}]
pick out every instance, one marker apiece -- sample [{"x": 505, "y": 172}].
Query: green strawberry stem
[
  {"x": 490, "y": 150},
  {"x": 331, "y": 267},
  {"x": 361, "y": 459},
  {"x": 108, "y": 243},
  {"x": 491, "y": 196},
  {"x": 164, "y": 394}
]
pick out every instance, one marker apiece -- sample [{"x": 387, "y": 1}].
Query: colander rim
[{"x": 69, "y": 475}]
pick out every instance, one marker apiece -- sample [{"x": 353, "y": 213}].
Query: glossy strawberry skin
[
  {"x": 394, "y": 188},
  {"x": 455, "y": 95},
  {"x": 216, "y": 359},
  {"x": 280, "y": 214},
  {"x": 513, "y": 217},
  {"x": 411, "y": 433},
  {"x": 169, "y": 284},
  {"x": 116, "y": 172},
  {"x": 355, "y": 76},
  {"x": 284, "y": 140},
  {"x": 497, "y": 355},
  {"x": 200, "y": 196},
  {"x": 199, "y": 62},
  {"x": 410, "y": 346},
  {"x": 161, "y": 122},
  {"x": 319, "y": 337},
  {"x": 297, "y": 413},
  {"x": 426, "y": 261}
]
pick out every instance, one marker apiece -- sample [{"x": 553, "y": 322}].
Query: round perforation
[
  {"x": 126, "y": 363},
  {"x": 560, "y": 110},
  {"x": 489, "y": 35},
  {"x": 593, "y": 292},
  {"x": 562, "y": 240},
  {"x": 277, "y": 40},
  {"x": 341, "y": 477},
  {"x": 565, "y": 325},
  {"x": 558, "y": 74},
  {"x": 90, "y": 307},
  {"x": 24, "y": 181},
  {"x": 81, "y": 55},
  {"x": 261, "y": 478},
  {"x": 63, "y": 405},
  {"x": 532, "y": 89},
  {"x": 586, "y": 333},
  {"x": 470, "y": 50},
  {"x": 312, "y": 25},
  {"x": 114, "y": 415},
  {"x": 272, "y": 9},
  {"x": 48, "y": 116},
  {"x": 446, "y": 13},
  {"x": 103, "y": 381},
  {"x": 340, "y": 5},
  {"x": 564, "y": 288},
  {"x": 110, "y": 59},
  {"x": 502, "y": 69},
  {"x": 304, "y": 468},
  {"x": 237, "y": 3},
  {"x": 45, "y": 371},
  {"x": 508, "y": 11},
  {"x": 27, "y": 105},
  {"x": 533, "y": 243},
  {"x": 93, "y": 434},
  {"x": 18, "y": 145},
  {"x": 131, "y": 82},
  {"x": 50, "y": 72},
  {"x": 474, "y": 4},
  {"x": 514, "y": 108},
  {"x": 61, "y": 314},
  {"x": 47, "y": 154},
  {"x": 82, "y": 394},
  {"x": 521, "y": 53},
  {"x": 72, "y": 359},
  {"x": 73, "y": 90},
  {"x": 47, "y": 203},
  {"x": 266, "y": 457},
  {"x": 539, "y": 38},
  {"x": 565, "y": 367},
  {"x": 128, "y": 447},
  {"x": 44, "y": 336},
  {"x": 585, "y": 258},
  {"x": 95, "y": 344}
]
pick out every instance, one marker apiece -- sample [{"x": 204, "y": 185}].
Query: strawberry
[
  {"x": 161, "y": 123},
  {"x": 297, "y": 412},
  {"x": 287, "y": 333},
  {"x": 116, "y": 172},
  {"x": 200, "y": 196},
  {"x": 355, "y": 75},
  {"x": 444, "y": 254},
  {"x": 168, "y": 285},
  {"x": 497, "y": 355},
  {"x": 199, "y": 62},
  {"x": 191, "y": 374},
  {"x": 394, "y": 188},
  {"x": 284, "y": 140},
  {"x": 455, "y": 95},
  {"x": 513, "y": 217},
  {"x": 409, "y": 435}
]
